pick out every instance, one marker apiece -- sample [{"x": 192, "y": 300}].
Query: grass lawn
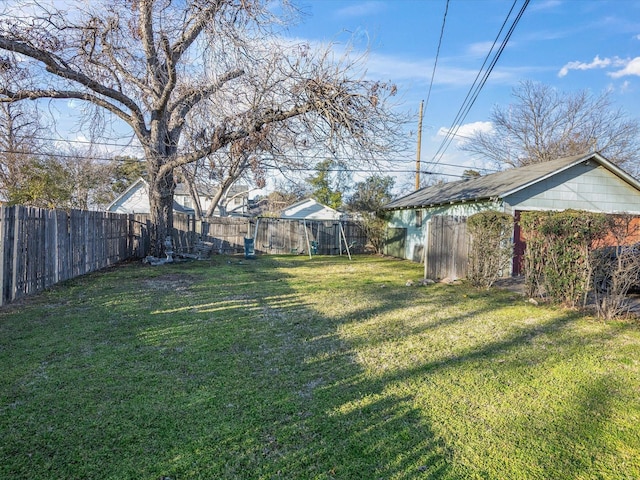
[{"x": 290, "y": 368}]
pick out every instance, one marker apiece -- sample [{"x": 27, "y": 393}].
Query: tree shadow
[
  {"x": 299, "y": 402},
  {"x": 241, "y": 375}
]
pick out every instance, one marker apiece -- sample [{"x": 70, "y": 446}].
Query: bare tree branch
[
  {"x": 544, "y": 124},
  {"x": 198, "y": 80}
]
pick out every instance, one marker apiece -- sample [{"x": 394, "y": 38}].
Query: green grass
[{"x": 285, "y": 367}]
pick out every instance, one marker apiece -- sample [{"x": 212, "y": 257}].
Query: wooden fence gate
[{"x": 447, "y": 252}]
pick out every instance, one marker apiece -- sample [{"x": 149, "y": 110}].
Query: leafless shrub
[{"x": 616, "y": 268}]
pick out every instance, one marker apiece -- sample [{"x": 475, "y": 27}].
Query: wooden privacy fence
[
  {"x": 40, "y": 247},
  {"x": 447, "y": 243},
  {"x": 278, "y": 236},
  {"x": 226, "y": 235}
]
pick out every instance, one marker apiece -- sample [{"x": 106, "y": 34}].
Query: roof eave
[
  {"x": 451, "y": 202},
  {"x": 135, "y": 184}
]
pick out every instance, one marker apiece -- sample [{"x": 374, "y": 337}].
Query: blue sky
[{"x": 569, "y": 44}]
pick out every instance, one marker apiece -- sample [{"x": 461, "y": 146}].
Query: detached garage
[{"x": 582, "y": 182}]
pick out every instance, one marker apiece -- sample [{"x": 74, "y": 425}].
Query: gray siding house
[
  {"x": 135, "y": 199},
  {"x": 583, "y": 182}
]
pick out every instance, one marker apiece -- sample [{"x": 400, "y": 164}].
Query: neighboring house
[
  {"x": 235, "y": 203},
  {"x": 309, "y": 209},
  {"x": 135, "y": 199},
  {"x": 583, "y": 182}
]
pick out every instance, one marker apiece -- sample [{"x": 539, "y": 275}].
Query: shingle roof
[{"x": 498, "y": 185}]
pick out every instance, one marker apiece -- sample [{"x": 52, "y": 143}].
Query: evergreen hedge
[
  {"x": 491, "y": 248},
  {"x": 557, "y": 258}
]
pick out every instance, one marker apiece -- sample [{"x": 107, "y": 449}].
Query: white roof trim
[{"x": 130, "y": 188}]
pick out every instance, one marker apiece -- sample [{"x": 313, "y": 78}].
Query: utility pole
[{"x": 419, "y": 146}]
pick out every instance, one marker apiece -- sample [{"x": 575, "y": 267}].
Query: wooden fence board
[
  {"x": 39, "y": 248},
  {"x": 448, "y": 247}
]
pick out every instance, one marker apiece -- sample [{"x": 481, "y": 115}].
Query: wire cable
[
  {"x": 476, "y": 87},
  {"x": 435, "y": 63},
  {"x": 397, "y": 161},
  {"x": 457, "y": 119}
]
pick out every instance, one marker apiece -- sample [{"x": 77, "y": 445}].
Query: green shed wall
[
  {"x": 407, "y": 218},
  {"x": 586, "y": 186}
]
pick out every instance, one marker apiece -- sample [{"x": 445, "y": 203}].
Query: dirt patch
[
  {"x": 170, "y": 282},
  {"x": 513, "y": 284}
]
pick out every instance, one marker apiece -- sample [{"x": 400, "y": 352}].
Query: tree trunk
[
  {"x": 217, "y": 200},
  {"x": 161, "y": 208}
]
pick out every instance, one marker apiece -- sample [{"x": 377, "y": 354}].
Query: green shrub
[
  {"x": 557, "y": 259},
  {"x": 491, "y": 247}
]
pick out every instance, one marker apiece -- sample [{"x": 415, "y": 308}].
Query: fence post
[
  {"x": 3, "y": 252},
  {"x": 427, "y": 229}
]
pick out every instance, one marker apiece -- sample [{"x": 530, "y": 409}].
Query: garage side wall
[
  {"x": 583, "y": 187},
  {"x": 414, "y": 223}
]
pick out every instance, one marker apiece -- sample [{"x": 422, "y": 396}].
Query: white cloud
[
  {"x": 596, "y": 63},
  {"x": 627, "y": 66},
  {"x": 545, "y": 5},
  {"x": 467, "y": 130},
  {"x": 632, "y": 67},
  {"x": 420, "y": 70},
  {"x": 480, "y": 48}
]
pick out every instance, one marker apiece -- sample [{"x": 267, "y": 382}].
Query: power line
[
  {"x": 458, "y": 116},
  {"x": 435, "y": 63},
  {"x": 85, "y": 142},
  {"x": 305, "y": 169},
  {"x": 476, "y": 87},
  {"x": 298, "y": 157},
  {"x": 68, "y": 156}
]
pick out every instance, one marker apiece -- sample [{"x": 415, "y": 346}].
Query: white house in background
[
  {"x": 135, "y": 199},
  {"x": 235, "y": 202},
  {"x": 309, "y": 209}
]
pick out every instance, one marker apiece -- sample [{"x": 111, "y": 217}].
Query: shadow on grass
[
  {"x": 230, "y": 370},
  {"x": 275, "y": 406}
]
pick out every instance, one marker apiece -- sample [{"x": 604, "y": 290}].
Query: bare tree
[
  {"x": 544, "y": 124},
  {"x": 213, "y": 68},
  {"x": 19, "y": 143},
  {"x": 36, "y": 174},
  {"x": 216, "y": 174}
]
